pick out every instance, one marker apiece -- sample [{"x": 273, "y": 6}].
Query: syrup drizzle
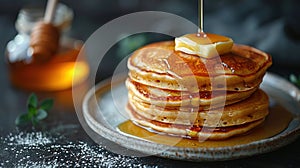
[
  {"x": 200, "y": 19},
  {"x": 277, "y": 121}
]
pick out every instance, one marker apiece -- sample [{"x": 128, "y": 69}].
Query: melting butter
[{"x": 207, "y": 46}]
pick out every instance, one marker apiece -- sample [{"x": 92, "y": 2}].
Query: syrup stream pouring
[{"x": 200, "y": 18}]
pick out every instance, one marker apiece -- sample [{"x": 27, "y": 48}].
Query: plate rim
[{"x": 193, "y": 154}]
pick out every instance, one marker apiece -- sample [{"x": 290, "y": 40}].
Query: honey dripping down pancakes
[{"x": 174, "y": 88}]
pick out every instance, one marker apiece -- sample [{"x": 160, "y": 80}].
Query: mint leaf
[
  {"x": 47, "y": 104},
  {"x": 31, "y": 110},
  {"x": 295, "y": 80},
  {"x": 41, "y": 114},
  {"x": 34, "y": 121},
  {"x": 32, "y": 101},
  {"x": 22, "y": 119},
  {"x": 34, "y": 113}
]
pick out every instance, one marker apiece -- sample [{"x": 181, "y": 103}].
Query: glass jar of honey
[{"x": 57, "y": 72}]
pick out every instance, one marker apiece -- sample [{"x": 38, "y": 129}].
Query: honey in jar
[{"x": 55, "y": 73}]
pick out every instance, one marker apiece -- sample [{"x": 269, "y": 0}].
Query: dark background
[{"x": 269, "y": 25}]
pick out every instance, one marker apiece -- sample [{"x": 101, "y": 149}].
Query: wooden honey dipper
[{"x": 44, "y": 40}]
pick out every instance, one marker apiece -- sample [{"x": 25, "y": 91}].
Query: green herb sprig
[
  {"x": 295, "y": 80},
  {"x": 35, "y": 111}
]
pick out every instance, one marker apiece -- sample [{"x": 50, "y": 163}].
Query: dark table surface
[
  {"x": 69, "y": 143},
  {"x": 62, "y": 124}
]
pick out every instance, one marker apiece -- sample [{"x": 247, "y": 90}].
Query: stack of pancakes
[{"x": 181, "y": 94}]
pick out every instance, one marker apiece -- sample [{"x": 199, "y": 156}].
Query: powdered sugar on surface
[
  {"x": 39, "y": 149},
  {"x": 29, "y": 139}
]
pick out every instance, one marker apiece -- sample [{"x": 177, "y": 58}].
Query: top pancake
[{"x": 159, "y": 65}]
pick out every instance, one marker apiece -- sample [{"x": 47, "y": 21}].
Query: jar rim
[{"x": 30, "y": 15}]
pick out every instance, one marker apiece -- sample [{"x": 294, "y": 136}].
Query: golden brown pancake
[
  {"x": 193, "y": 131},
  {"x": 166, "y": 97},
  {"x": 185, "y": 95},
  {"x": 159, "y": 65},
  {"x": 249, "y": 110}
]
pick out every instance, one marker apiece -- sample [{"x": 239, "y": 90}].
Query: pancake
[
  {"x": 185, "y": 95},
  {"x": 166, "y": 97},
  {"x": 193, "y": 132},
  {"x": 159, "y": 65},
  {"x": 249, "y": 110}
]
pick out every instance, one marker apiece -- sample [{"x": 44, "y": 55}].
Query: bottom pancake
[
  {"x": 253, "y": 108},
  {"x": 193, "y": 132}
]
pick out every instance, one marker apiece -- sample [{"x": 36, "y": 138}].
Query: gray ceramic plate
[{"x": 103, "y": 110}]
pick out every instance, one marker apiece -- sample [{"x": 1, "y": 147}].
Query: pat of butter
[{"x": 207, "y": 45}]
